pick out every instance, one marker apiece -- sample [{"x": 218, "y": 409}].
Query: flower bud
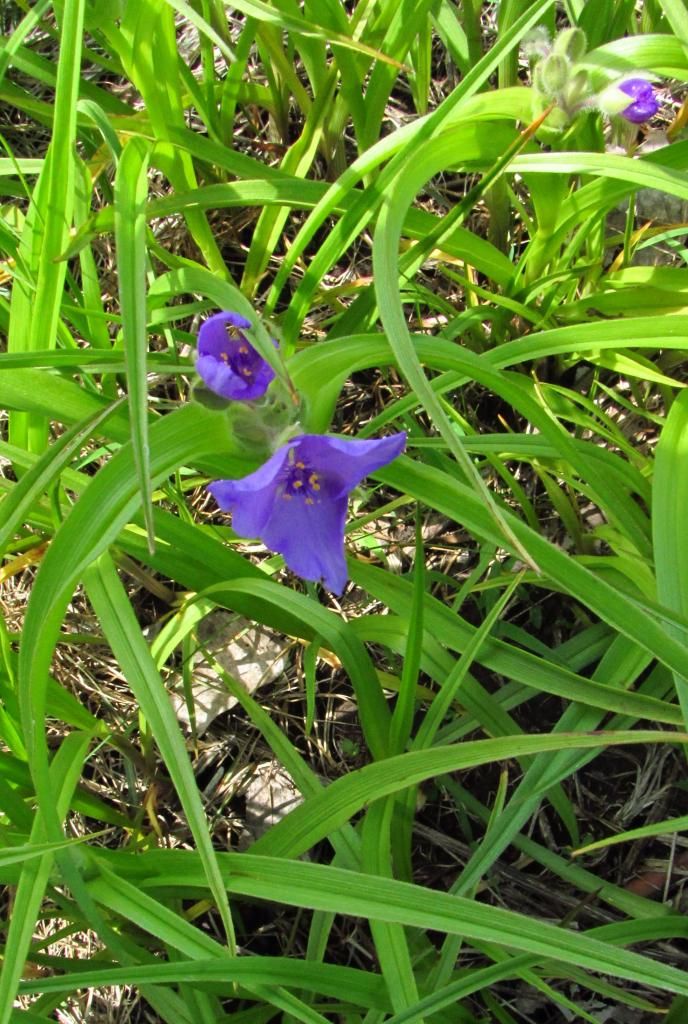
[
  {"x": 536, "y": 44},
  {"x": 554, "y": 71},
  {"x": 571, "y": 43},
  {"x": 578, "y": 88},
  {"x": 538, "y": 81}
]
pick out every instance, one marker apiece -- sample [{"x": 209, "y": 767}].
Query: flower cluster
[
  {"x": 560, "y": 78},
  {"x": 296, "y": 501}
]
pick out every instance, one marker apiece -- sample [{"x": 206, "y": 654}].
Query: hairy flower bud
[
  {"x": 536, "y": 44},
  {"x": 578, "y": 88},
  {"x": 554, "y": 73},
  {"x": 571, "y": 43}
]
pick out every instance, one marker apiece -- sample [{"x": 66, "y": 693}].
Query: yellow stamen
[
  {"x": 309, "y": 501},
  {"x": 300, "y": 465},
  {"x": 297, "y": 484},
  {"x": 243, "y": 349}
]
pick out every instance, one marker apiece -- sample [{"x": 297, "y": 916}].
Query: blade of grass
[
  {"x": 391, "y": 945},
  {"x": 669, "y": 494},
  {"x": 64, "y": 774},
  {"x": 35, "y": 303},
  {"x": 346, "y": 984},
  {"x": 323, "y": 887},
  {"x": 312, "y": 820},
  {"x": 17, "y": 505},
  {"x": 658, "y": 828},
  {"x": 23, "y": 29},
  {"x": 131, "y": 189}
]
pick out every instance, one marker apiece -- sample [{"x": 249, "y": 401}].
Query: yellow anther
[
  {"x": 313, "y": 481},
  {"x": 243, "y": 349},
  {"x": 297, "y": 484},
  {"x": 300, "y": 465},
  {"x": 309, "y": 501}
]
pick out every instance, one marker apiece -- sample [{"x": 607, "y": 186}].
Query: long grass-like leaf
[
  {"x": 306, "y": 824},
  {"x": 323, "y": 887},
  {"x": 64, "y": 773},
  {"x": 669, "y": 494},
  {"x": 35, "y": 306},
  {"x": 131, "y": 189}
]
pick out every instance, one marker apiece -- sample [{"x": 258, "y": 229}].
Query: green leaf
[
  {"x": 64, "y": 774},
  {"x": 312, "y": 820},
  {"x": 669, "y": 495},
  {"x": 36, "y": 298},
  {"x": 322, "y": 887},
  {"x": 131, "y": 190}
]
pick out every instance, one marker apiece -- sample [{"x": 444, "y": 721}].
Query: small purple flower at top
[
  {"x": 645, "y": 104},
  {"x": 227, "y": 362},
  {"x": 296, "y": 502}
]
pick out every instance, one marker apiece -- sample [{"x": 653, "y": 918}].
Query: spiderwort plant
[
  {"x": 227, "y": 362},
  {"x": 296, "y": 502}
]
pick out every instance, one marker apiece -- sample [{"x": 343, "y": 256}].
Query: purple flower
[
  {"x": 227, "y": 362},
  {"x": 645, "y": 104},
  {"x": 614, "y": 99},
  {"x": 296, "y": 502}
]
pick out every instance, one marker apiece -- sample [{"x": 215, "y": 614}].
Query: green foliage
[{"x": 327, "y": 170}]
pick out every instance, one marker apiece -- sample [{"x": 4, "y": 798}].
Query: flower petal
[
  {"x": 645, "y": 104},
  {"x": 311, "y": 538},
  {"x": 344, "y": 463},
  {"x": 637, "y": 88},
  {"x": 216, "y": 375},
  {"x": 213, "y": 337},
  {"x": 251, "y": 499},
  {"x": 262, "y": 378},
  {"x": 641, "y": 110}
]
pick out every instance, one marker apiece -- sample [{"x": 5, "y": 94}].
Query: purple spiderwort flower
[
  {"x": 614, "y": 99},
  {"x": 645, "y": 104},
  {"x": 227, "y": 362},
  {"x": 296, "y": 502}
]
